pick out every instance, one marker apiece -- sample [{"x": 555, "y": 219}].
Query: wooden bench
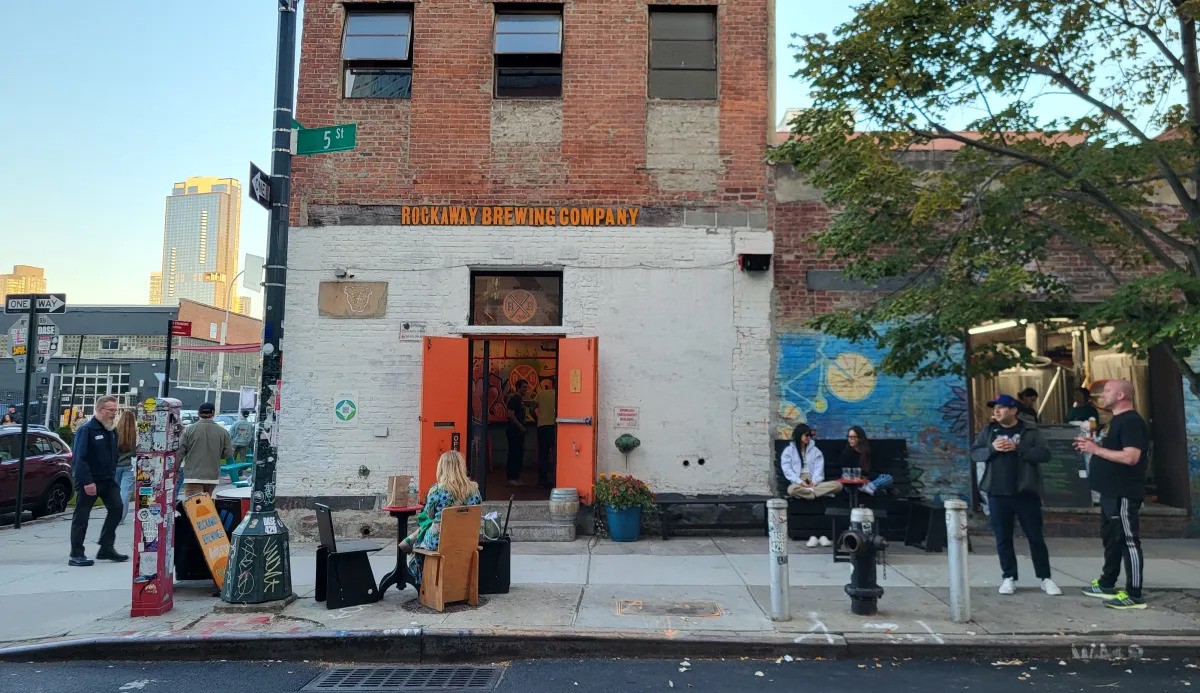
[{"x": 669, "y": 503}]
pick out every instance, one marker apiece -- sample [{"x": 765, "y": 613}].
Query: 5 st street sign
[{"x": 46, "y": 303}]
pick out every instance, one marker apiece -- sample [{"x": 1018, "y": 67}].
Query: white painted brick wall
[{"x": 684, "y": 336}]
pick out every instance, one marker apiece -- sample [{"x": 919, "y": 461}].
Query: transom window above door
[{"x": 516, "y": 298}]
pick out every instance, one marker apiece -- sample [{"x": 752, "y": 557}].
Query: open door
[
  {"x": 444, "y": 393},
  {"x": 576, "y": 449}
]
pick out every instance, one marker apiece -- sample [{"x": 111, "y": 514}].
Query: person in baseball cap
[
  {"x": 1001, "y": 401},
  {"x": 203, "y": 446}
]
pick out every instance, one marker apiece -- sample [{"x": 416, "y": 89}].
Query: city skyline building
[
  {"x": 24, "y": 279},
  {"x": 201, "y": 237},
  {"x": 156, "y": 283}
]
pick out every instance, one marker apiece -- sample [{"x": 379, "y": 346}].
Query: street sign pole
[
  {"x": 170, "y": 341},
  {"x": 30, "y": 348},
  {"x": 259, "y": 568}
]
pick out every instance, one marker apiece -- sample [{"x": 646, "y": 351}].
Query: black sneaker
[
  {"x": 1095, "y": 590},
  {"x": 80, "y": 561},
  {"x": 1124, "y": 601},
  {"x": 111, "y": 555}
]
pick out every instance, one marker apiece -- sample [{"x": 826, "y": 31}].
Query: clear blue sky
[{"x": 106, "y": 105}]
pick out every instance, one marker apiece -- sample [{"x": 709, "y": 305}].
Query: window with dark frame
[
  {"x": 516, "y": 298},
  {"x": 110, "y": 344},
  {"x": 683, "y": 53},
  {"x": 528, "y": 52},
  {"x": 377, "y": 54}
]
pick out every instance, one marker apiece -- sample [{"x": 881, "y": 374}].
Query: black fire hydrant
[{"x": 866, "y": 549}]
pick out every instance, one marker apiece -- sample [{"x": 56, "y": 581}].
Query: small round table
[
  {"x": 852, "y": 487},
  {"x": 399, "y": 576}
]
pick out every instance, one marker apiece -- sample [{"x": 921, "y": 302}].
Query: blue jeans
[{"x": 125, "y": 483}]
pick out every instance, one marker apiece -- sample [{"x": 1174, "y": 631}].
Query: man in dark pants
[
  {"x": 1012, "y": 450},
  {"x": 1117, "y": 471},
  {"x": 515, "y": 433},
  {"x": 546, "y": 430},
  {"x": 95, "y": 472}
]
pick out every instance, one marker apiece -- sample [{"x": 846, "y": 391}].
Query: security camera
[{"x": 340, "y": 273}]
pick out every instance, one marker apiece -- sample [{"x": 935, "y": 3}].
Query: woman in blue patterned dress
[{"x": 453, "y": 488}]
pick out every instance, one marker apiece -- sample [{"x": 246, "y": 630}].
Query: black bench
[
  {"x": 831, "y": 513},
  {"x": 669, "y": 504}
]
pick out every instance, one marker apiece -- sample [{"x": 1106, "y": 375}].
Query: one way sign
[
  {"x": 260, "y": 186},
  {"x": 46, "y": 303}
]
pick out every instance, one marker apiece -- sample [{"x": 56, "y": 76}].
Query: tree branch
[
  {"x": 1146, "y": 232},
  {"x": 1150, "y": 33},
  {"x": 1181, "y": 194},
  {"x": 1080, "y": 246}
]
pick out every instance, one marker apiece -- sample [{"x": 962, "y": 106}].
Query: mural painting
[{"x": 832, "y": 384}]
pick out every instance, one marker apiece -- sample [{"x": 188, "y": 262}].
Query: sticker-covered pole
[
  {"x": 259, "y": 568},
  {"x": 777, "y": 537}
]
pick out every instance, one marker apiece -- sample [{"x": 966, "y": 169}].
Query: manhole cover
[
  {"x": 432, "y": 678},
  {"x": 639, "y": 607}
]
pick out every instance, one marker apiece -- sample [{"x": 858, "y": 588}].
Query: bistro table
[
  {"x": 399, "y": 576},
  {"x": 853, "y": 486}
]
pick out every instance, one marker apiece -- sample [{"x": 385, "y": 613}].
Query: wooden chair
[
  {"x": 344, "y": 576},
  {"x": 451, "y": 574}
]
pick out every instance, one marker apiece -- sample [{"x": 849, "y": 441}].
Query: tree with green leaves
[{"x": 1081, "y": 136}]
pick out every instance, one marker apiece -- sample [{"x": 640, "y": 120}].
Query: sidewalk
[{"x": 686, "y": 590}]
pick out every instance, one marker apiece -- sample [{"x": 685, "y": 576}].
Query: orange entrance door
[
  {"x": 577, "y": 371},
  {"x": 444, "y": 391}
]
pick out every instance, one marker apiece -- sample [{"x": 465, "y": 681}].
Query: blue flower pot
[{"x": 624, "y": 524}]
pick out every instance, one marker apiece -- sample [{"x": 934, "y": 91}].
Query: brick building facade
[{"x": 548, "y": 117}]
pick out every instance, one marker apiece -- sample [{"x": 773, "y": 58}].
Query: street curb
[{"x": 431, "y": 645}]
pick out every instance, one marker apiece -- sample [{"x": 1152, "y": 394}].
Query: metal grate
[{"x": 432, "y": 678}]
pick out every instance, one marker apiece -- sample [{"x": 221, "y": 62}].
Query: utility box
[{"x": 156, "y": 469}]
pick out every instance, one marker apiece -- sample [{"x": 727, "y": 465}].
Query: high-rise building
[
  {"x": 201, "y": 234},
  {"x": 25, "y": 279},
  {"x": 241, "y": 305},
  {"x": 156, "y": 296}
]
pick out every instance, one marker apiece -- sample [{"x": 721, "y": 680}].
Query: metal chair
[{"x": 344, "y": 576}]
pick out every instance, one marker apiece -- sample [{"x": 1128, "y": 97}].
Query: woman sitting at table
[
  {"x": 857, "y": 455},
  {"x": 453, "y": 488}
]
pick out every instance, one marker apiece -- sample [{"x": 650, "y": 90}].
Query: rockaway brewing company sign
[{"x": 458, "y": 215}]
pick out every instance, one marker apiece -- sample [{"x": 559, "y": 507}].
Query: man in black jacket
[
  {"x": 95, "y": 472},
  {"x": 1012, "y": 450}
]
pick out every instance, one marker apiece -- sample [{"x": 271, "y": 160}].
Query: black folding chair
[{"x": 344, "y": 576}]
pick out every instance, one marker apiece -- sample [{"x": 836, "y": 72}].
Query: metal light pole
[
  {"x": 221, "y": 354},
  {"x": 259, "y": 568}
]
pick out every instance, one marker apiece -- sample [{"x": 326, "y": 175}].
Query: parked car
[
  {"x": 228, "y": 419},
  {"x": 48, "y": 485},
  {"x": 189, "y": 416}
]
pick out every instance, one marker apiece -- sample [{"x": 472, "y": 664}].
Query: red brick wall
[
  {"x": 436, "y": 147},
  {"x": 796, "y": 225}
]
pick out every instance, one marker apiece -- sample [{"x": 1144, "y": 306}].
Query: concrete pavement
[{"x": 686, "y": 590}]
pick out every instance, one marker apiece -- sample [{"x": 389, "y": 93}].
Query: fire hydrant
[{"x": 866, "y": 549}]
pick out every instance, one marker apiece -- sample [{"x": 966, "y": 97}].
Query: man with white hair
[
  {"x": 1117, "y": 471},
  {"x": 95, "y": 472}
]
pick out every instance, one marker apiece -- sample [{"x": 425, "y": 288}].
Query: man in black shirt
[
  {"x": 1027, "y": 406},
  {"x": 1083, "y": 409},
  {"x": 1117, "y": 471},
  {"x": 1012, "y": 450},
  {"x": 95, "y": 470},
  {"x": 515, "y": 433}
]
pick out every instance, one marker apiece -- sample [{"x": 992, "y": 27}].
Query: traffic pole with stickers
[{"x": 156, "y": 467}]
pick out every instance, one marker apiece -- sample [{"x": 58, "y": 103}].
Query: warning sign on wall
[{"x": 625, "y": 417}]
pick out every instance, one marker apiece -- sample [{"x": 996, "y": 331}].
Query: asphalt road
[{"x": 635, "y": 675}]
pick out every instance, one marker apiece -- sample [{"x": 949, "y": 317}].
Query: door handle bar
[{"x": 586, "y": 421}]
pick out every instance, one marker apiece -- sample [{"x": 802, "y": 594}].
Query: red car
[{"x": 48, "y": 485}]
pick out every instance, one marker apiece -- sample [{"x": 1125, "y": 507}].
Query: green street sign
[{"x": 335, "y": 138}]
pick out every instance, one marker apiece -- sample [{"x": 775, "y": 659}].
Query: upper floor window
[
  {"x": 683, "y": 54},
  {"x": 377, "y": 54},
  {"x": 528, "y": 53},
  {"x": 110, "y": 344}
]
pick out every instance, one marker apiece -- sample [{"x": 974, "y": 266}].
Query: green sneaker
[
  {"x": 1095, "y": 590},
  {"x": 1124, "y": 601}
]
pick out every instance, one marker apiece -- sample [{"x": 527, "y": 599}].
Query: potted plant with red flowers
[{"x": 623, "y": 498}]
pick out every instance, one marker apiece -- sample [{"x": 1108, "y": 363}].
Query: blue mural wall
[
  {"x": 1191, "y": 413},
  {"x": 832, "y": 384}
]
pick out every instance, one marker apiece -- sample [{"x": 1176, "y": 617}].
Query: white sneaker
[
  {"x": 812, "y": 542},
  {"x": 1007, "y": 586},
  {"x": 824, "y": 541},
  {"x": 1050, "y": 588}
]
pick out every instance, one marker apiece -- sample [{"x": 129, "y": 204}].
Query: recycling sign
[{"x": 345, "y": 409}]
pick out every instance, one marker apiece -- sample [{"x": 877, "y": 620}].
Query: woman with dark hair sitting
[{"x": 857, "y": 453}]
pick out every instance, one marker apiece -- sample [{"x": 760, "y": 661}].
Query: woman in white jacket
[{"x": 804, "y": 467}]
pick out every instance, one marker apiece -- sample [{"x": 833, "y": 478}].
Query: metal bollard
[
  {"x": 956, "y": 543},
  {"x": 777, "y": 536}
]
